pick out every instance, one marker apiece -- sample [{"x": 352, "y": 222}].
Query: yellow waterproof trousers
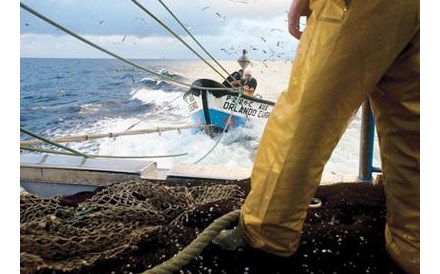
[{"x": 350, "y": 51}]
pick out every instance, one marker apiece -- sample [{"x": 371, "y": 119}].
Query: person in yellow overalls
[{"x": 350, "y": 51}]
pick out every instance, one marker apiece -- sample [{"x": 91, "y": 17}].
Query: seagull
[
  {"x": 223, "y": 18},
  {"x": 274, "y": 29},
  {"x": 252, "y": 48},
  {"x": 142, "y": 19},
  {"x": 204, "y": 8},
  {"x": 262, "y": 39},
  {"x": 264, "y": 51},
  {"x": 279, "y": 43},
  {"x": 226, "y": 51},
  {"x": 123, "y": 39},
  {"x": 26, "y": 24},
  {"x": 101, "y": 22}
]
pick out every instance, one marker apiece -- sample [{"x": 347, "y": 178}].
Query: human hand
[{"x": 298, "y": 8}]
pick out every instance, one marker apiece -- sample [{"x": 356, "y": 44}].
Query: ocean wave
[
  {"x": 192, "y": 141},
  {"x": 170, "y": 73},
  {"x": 157, "y": 97},
  {"x": 89, "y": 108},
  {"x": 95, "y": 107}
]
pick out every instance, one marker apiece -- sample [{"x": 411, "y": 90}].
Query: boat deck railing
[{"x": 366, "y": 168}]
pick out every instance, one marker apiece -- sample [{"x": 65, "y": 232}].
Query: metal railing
[{"x": 366, "y": 168}]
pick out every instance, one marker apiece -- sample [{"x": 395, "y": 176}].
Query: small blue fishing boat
[{"x": 213, "y": 107}]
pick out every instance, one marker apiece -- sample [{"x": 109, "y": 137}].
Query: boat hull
[{"x": 214, "y": 107}]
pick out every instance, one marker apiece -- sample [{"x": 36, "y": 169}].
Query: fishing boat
[
  {"x": 213, "y": 108},
  {"x": 220, "y": 108}
]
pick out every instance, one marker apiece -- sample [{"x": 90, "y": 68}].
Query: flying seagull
[
  {"x": 262, "y": 39},
  {"x": 142, "y": 19},
  {"x": 26, "y": 24},
  {"x": 220, "y": 16},
  {"x": 101, "y": 22},
  {"x": 204, "y": 8},
  {"x": 274, "y": 29}
]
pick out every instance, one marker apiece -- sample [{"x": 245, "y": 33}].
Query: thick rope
[
  {"x": 75, "y": 152},
  {"x": 192, "y": 36},
  {"x": 176, "y": 36},
  {"x": 195, "y": 247},
  {"x": 199, "y": 244},
  {"x": 82, "y": 39},
  {"x": 101, "y": 156}
]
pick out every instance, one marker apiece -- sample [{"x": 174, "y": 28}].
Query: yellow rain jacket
[{"x": 350, "y": 51}]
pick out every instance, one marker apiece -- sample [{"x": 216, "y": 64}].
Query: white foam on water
[
  {"x": 160, "y": 98},
  {"x": 236, "y": 149},
  {"x": 90, "y": 108},
  {"x": 232, "y": 151}
]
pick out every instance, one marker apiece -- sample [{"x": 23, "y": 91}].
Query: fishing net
[{"x": 57, "y": 236}]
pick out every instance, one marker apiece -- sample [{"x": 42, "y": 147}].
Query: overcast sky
[{"x": 224, "y": 27}]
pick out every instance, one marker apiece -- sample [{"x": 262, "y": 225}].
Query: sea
[{"x": 61, "y": 97}]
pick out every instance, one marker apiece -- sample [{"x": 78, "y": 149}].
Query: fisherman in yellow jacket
[{"x": 350, "y": 51}]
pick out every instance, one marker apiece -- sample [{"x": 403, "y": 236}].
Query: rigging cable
[
  {"x": 84, "y": 40},
  {"x": 49, "y": 151},
  {"x": 176, "y": 36},
  {"x": 192, "y": 36}
]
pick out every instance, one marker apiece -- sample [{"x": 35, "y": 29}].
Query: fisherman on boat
[
  {"x": 249, "y": 83},
  {"x": 234, "y": 79}
]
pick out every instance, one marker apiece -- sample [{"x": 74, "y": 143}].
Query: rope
[
  {"x": 87, "y": 137},
  {"x": 190, "y": 34},
  {"x": 176, "y": 36},
  {"x": 75, "y": 152},
  {"x": 237, "y": 99},
  {"x": 101, "y": 156},
  {"x": 154, "y": 113},
  {"x": 181, "y": 40},
  {"x": 82, "y": 39},
  {"x": 195, "y": 247}
]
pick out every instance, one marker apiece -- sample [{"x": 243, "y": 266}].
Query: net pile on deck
[{"x": 55, "y": 235}]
